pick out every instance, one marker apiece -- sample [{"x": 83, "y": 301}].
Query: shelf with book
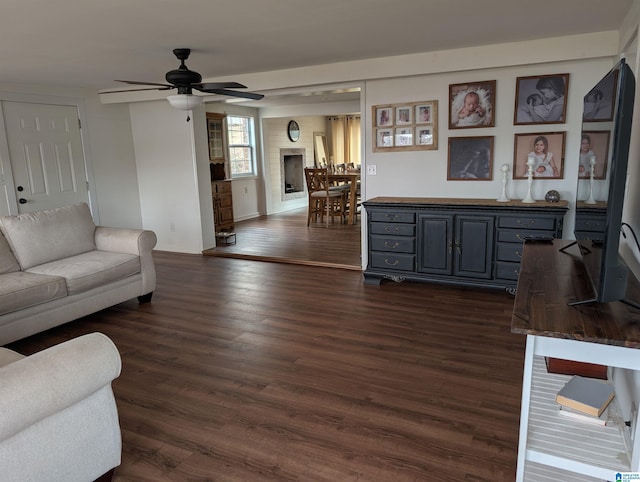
[{"x": 586, "y": 448}]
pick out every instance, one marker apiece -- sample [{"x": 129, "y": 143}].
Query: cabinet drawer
[
  {"x": 393, "y": 228},
  {"x": 393, "y": 261},
  {"x": 221, "y": 187},
  {"x": 508, "y": 271},
  {"x": 519, "y": 235},
  {"x": 396, "y": 244},
  {"x": 527, "y": 222},
  {"x": 590, "y": 224},
  {"x": 510, "y": 252},
  {"x": 392, "y": 217}
]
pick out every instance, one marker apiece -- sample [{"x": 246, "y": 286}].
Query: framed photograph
[
  {"x": 403, "y": 115},
  {"x": 404, "y": 136},
  {"x": 410, "y": 126},
  {"x": 424, "y": 135},
  {"x": 600, "y": 101},
  {"x": 470, "y": 159},
  {"x": 384, "y": 138},
  {"x": 594, "y": 144},
  {"x": 384, "y": 116},
  {"x": 472, "y": 104},
  {"x": 547, "y": 151},
  {"x": 423, "y": 114},
  {"x": 541, "y": 99}
]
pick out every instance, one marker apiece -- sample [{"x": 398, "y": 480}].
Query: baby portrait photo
[
  {"x": 546, "y": 149},
  {"x": 600, "y": 101},
  {"x": 384, "y": 116},
  {"x": 472, "y": 104},
  {"x": 541, "y": 99}
]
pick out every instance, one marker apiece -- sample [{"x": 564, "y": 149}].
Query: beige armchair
[{"x": 58, "y": 416}]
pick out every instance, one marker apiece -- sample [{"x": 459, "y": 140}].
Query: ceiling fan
[{"x": 186, "y": 81}]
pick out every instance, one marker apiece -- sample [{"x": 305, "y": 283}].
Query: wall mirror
[{"x": 320, "y": 149}]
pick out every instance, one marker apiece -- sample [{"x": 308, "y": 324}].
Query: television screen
[{"x": 602, "y": 171}]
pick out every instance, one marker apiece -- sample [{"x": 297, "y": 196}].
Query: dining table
[{"x": 351, "y": 178}]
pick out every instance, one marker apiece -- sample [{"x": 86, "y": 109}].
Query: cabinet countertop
[
  {"x": 549, "y": 280},
  {"x": 463, "y": 202}
]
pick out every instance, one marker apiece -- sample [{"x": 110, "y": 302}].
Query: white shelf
[
  {"x": 543, "y": 473},
  {"x": 577, "y": 446}
]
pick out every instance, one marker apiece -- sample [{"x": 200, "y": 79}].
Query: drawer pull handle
[
  {"x": 390, "y": 245},
  {"x": 517, "y": 272},
  {"x": 518, "y": 254},
  {"x": 391, "y": 217},
  {"x": 386, "y": 261},
  {"x": 519, "y": 237},
  {"x": 528, "y": 223},
  {"x": 389, "y": 229}
]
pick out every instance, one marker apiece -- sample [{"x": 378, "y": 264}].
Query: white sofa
[
  {"x": 58, "y": 416},
  {"x": 56, "y": 266}
]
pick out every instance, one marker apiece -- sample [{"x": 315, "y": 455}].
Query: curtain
[{"x": 345, "y": 139}]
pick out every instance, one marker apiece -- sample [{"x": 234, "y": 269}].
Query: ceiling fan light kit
[
  {"x": 184, "y": 101},
  {"x": 186, "y": 80}
]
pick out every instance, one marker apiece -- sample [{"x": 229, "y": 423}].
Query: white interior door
[{"x": 46, "y": 154}]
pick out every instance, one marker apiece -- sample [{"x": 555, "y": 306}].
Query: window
[{"x": 241, "y": 146}]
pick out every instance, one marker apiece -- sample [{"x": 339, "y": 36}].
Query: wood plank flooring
[
  {"x": 247, "y": 371},
  {"x": 285, "y": 238}
]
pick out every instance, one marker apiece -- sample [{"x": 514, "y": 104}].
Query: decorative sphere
[{"x": 552, "y": 196}]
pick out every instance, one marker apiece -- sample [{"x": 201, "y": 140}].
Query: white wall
[
  {"x": 108, "y": 150},
  {"x": 170, "y": 197}
]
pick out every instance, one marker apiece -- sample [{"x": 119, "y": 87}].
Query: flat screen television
[{"x": 606, "y": 134}]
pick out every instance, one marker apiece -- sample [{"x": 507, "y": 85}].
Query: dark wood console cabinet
[{"x": 475, "y": 242}]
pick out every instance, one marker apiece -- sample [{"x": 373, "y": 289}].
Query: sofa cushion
[
  {"x": 89, "y": 270},
  {"x": 21, "y": 290},
  {"x": 8, "y": 356},
  {"x": 43, "y": 236},
  {"x": 8, "y": 262}
]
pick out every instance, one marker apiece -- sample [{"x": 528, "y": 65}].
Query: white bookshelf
[{"x": 553, "y": 446}]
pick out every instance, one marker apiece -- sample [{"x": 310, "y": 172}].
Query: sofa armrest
[
  {"x": 121, "y": 240},
  {"x": 38, "y": 386},
  {"x": 133, "y": 241}
]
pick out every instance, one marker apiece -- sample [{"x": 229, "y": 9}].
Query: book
[
  {"x": 576, "y": 415},
  {"x": 586, "y": 395}
]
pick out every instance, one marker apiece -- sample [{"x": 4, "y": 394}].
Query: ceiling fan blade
[
  {"x": 135, "y": 82},
  {"x": 218, "y": 85},
  {"x": 136, "y": 90},
  {"x": 233, "y": 93}
]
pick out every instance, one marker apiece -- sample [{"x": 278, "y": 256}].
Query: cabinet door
[
  {"x": 473, "y": 247},
  {"x": 435, "y": 243}
]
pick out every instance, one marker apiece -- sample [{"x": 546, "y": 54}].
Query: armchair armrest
[{"x": 38, "y": 386}]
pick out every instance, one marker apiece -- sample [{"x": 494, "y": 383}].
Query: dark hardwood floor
[
  {"x": 248, "y": 371},
  {"x": 285, "y": 238}
]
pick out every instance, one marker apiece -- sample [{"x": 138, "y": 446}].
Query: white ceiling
[{"x": 88, "y": 43}]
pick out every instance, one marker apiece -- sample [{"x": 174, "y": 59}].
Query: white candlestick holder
[
  {"x": 592, "y": 164},
  {"x": 531, "y": 161},
  {"x": 503, "y": 197}
]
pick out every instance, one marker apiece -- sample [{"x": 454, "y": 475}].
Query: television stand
[{"x": 598, "y": 333}]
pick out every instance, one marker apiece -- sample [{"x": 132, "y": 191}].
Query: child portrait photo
[
  {"x": 546, "y": 149},
  {"x": 594, "y": 146},
  {"x": 472, "y": 104}
]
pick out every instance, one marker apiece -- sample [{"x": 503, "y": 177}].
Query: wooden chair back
[{"x": 317, "y": 179}]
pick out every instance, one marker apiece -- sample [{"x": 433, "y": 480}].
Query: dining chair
[{"x": 322, "y": 199}]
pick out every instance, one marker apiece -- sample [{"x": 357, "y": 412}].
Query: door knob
[
  {"x": 20, "y": 188},
  {"x": 22, "y": 200}
]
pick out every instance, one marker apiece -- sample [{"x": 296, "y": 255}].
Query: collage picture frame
[{"x": 405, "y": 127}]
